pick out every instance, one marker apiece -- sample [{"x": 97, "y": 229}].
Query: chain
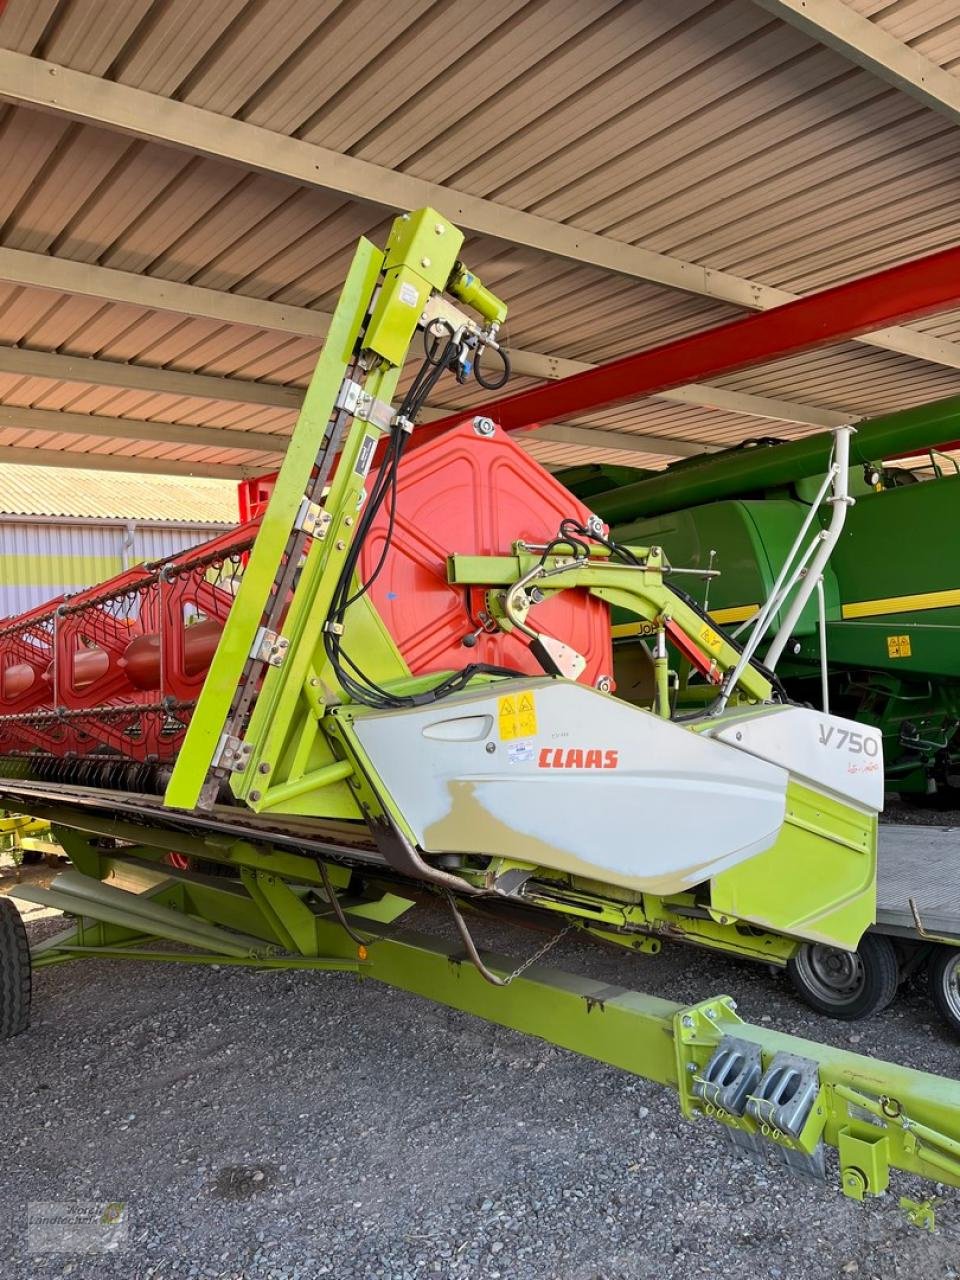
[
  {"x": 538, "y": 955},
  {"x": 474, "y": 954}
]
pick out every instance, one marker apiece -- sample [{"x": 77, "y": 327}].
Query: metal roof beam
[
  {"x": 33, "y": 82},
  {"x": 583, "y": 435},
  {"x": 88, "y": 424},
  {"x": 751, "y": 406},
  {"x": 136, "y": 377},
  {"x": 39, "y": 271},
  {"x": 83, "y": 424},
  {"x": 921, "y": 287},
  {"x": 837, "y": 25},
  {"x": 120, "y": 462},
  {"x": 87, "y": 280},
  {"x": 621, "y": 441},
  {"x": 744, "y": 403},
  {"x": 95, "y": 101}
]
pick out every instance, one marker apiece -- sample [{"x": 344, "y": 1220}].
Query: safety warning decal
[
  {"x": 898, "y": 647},
  {"x": 517, "y": 716},
  {"x": 709, "y": 639}
]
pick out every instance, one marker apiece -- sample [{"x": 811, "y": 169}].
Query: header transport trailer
[
  {"x": 889, "y": 637},
  {"x": 399, "y": 684}
]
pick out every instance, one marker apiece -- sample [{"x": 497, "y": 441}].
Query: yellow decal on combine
[
  {"x": 898, "y": 647},
  {"x": 709, "y": 639},
  {"x": 902, "y": 604},
  {"x": 738, "y": 613},
  {"x": 517, "y": 716},
  {"x": 626, "y": 630}
]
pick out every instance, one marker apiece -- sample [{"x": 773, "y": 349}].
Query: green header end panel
[
  {"x": 818, "y": 881},
  {"x": 294, "y": 769},
  {"x": 275, "y": 752}
]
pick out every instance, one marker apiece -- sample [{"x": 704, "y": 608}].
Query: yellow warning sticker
[
  {"x": 898, "y": 647},
  {"x": 709, "y": 639},
  {"x": 517, "y": 716}
]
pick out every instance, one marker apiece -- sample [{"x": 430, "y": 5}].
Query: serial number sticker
[
  {"x": 521, "y": 753},
  {"x": 409, "y": 294},
  {"x": 517, "y": 716},
  {"x": 365, "y": 456},
  {"x": 710, "y": 640},
  {"x": 898, "y": 647}
]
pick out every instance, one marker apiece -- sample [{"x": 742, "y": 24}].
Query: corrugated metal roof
[
  {"x": 57, "y": 491},
  {"x": 704, "y": 129}
]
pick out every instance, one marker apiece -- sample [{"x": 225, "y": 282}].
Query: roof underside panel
[{"x": 702, "y": 129}]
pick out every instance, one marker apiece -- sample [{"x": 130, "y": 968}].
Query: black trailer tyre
[
  {"x": 943, "y": 975},
  {"x": 14, "y": 972},
  {"x": 846, "y": 984}
]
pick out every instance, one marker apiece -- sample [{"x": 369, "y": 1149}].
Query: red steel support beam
[{"x": 900, "y": 293}]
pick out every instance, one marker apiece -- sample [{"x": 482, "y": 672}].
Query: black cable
[
  {"x": 359, "y": 686},
  {"x": 337, "y": 909},
  {"x": 626, "y": 556},
  {"x": 576, "y": 545},
  {"x": 441, "y": 352},
  {"x": 386, "y": 482},
  {"x": 492, "y": 384},
  {"x": 617, "y": 552}
]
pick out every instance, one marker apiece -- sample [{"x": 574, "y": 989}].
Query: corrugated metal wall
[{"x": 41, "y": 559}]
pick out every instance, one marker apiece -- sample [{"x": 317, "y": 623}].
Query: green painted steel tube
[
  {"x": 325, "y": 777},
  {"x": 176, "y": 928},
  {"x": 744, "y": 471}
]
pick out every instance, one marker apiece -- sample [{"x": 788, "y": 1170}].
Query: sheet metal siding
[{"x": 39, "y": 560}]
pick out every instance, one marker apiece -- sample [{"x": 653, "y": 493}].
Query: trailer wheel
[
  {"x": 846, "y": 984},
  {"x": 943, "y": 975},
  {"x": 14, "y": 972}
]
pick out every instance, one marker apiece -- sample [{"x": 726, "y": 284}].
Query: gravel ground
[
  {"x": 290, "y": 1126},
  {"x": 913, "y": 816}
]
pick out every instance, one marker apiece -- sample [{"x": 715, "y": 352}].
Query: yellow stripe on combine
[
  {"x": 901, "y": 604},
  {"x": 739, "y": 613}
]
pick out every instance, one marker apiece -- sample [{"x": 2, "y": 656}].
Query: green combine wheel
[
  {"x": 846, "y": 984},
  {"x": 14, "y": 972},
  {"x": 943, "y": 975}
]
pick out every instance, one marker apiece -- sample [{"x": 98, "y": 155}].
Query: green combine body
[{"x": 891, "y": 590}]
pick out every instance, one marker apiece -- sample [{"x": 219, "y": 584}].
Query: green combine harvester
[
  {"x": 887, "y": 613},
  {"x": 398, "y": 685}
]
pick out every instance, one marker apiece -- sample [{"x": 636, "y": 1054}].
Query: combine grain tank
[{"x": 891, "y": 591}]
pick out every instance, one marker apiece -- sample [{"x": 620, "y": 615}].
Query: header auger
[{"x": 399, "y": 682}]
